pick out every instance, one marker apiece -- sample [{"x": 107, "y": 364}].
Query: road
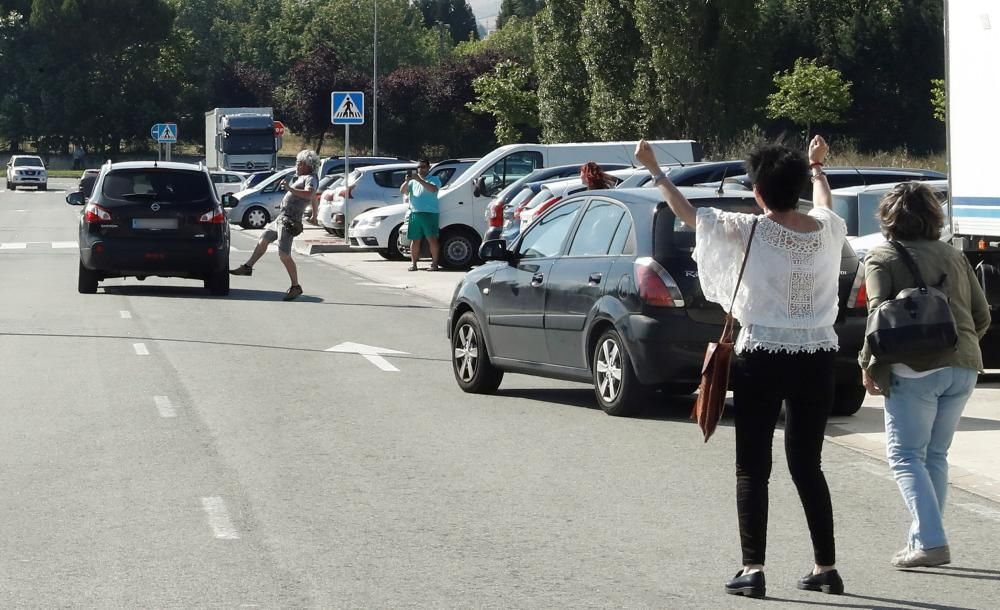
[{"x": 163, "y": 448}]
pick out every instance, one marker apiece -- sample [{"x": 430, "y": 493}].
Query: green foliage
[
  {"x": 607, "y": 36},
  {"x": 513, "y": 9},
  {"x": 456, "y": 15},
  {"x": 809, "y": 93},
  {"x": 505, "y": 94},
  {"x": 515, "y": 41},
  {"x": 562, "y": 78},
  {"x": 939, "y": 99}
]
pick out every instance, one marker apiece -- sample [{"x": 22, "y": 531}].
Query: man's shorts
[
  {"x": 422, "y": 224},
  {"x": 278, "y": 230}
]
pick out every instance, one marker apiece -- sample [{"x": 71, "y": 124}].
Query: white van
[{"x": 463, "y": 202}]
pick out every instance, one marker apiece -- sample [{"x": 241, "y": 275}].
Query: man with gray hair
[{"x": 299, "y": 193}]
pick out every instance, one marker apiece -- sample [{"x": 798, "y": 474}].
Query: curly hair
[
  {"x": 311, "y": 159},
  {"x": 910, "y": 211},
  {"x": 594, "y": 177},
  {"x": 780, "y": 174}
]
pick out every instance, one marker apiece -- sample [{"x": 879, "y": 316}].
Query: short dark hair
[
  {"x": 910, "y": 211},
  {"x": 779, "y": 173}
]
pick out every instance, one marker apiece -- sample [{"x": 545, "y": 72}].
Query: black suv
[
  {"x": 148, "y": 218},
  {"x": 602, "y": 289}
]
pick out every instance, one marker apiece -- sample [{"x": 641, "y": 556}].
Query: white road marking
[
  {"x": 14, "y": 246},
  {"x": 377, "y": 285},
  {"x": 982, "y": 511},
  {"x": 140, "y": 349},
  {"x": 126, "y": 315},
  {"x": 164, "y": 406},
  {"x": 218, "y": 518},
  {"x": 370, "y": 353},
  {"x": 380, "y": 362},
  {"x": 64, "y": 244}
]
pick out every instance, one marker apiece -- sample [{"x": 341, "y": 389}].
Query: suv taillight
[
  {"x": 94, "y": 213},
  {"x": 215, "y": 217},
  {"x": 494, "y": 213},
  {"x": 656, "y": 287},
  {"x": 859, "y": 294}
]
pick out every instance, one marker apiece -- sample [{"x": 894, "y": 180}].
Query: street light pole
[{"x": 375, "y": 83}]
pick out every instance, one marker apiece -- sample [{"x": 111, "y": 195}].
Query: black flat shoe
[
  {"x": 827, "y": 582},
  {"x": 750, "y": 585}
]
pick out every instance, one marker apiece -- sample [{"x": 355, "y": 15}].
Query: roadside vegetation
[{"x": 727, "y": 73}]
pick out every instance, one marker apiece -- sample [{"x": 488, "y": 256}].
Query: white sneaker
[{"x": 922, "y": 558}]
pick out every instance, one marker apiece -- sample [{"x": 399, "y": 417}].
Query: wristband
[
  {"x": 815, "y": 164},
  {"x": 657, "y": 177}
]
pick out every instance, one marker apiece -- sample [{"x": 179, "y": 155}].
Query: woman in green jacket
[{"x": 925, "y": 395}]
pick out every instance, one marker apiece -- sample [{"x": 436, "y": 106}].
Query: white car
[
  {"x": 378, "y": 230},
  {"x": 368, "y": 188},
  {"x": 227, "y": 182},
  {"x": 27, "y": 170}
]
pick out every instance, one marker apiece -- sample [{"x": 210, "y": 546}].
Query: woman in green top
[{"x": 924, "y": 396}]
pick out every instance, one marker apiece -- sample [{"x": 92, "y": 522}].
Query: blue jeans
[{"x": 921, "y": 416}]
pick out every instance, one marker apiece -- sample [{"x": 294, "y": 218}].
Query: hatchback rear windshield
[
  {"x": 672, "y": 236},
  {"x": 150, "y": 184}
]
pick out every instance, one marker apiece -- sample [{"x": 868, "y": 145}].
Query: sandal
[
  {"x": 243, "y": 269},
  {"x": 434, "y": 267},
  {"x": 293, "y": 293},
  {"x": 412, "y": 268}
]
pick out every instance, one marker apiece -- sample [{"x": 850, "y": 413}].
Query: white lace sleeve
[
  {"x": 720, "y": 240},
  {"x": 829, "y": 218}
]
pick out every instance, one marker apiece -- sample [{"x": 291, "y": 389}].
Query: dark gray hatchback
[{"x": 603, "y": 289}]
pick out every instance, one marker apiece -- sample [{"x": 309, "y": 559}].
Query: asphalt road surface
[{"x": 162, "y": 448}]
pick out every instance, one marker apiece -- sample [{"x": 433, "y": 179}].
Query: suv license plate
[{"x": 154, "y": 223}]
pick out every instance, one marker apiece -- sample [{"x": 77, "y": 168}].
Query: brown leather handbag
[{"x": 711, "y": 401}]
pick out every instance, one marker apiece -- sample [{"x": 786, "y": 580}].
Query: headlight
[{"x": 373, "y": 221}]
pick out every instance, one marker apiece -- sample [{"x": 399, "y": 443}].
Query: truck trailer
[
  {"x": 972, "y": 82},
  {"x": 241, "y": 139}
]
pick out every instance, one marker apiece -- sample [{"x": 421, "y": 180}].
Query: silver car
[{"x": 255, "y": 207}]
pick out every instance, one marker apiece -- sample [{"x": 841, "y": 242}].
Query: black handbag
[{"x": 917, "y": 321}]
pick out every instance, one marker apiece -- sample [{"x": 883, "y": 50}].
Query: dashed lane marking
[
  {"x": 164, "y": 406},
  {"x": 64, "y": 244},
  {"x": 13, "y": 246},
  {"x": 126, "y": 315},
  {"x": 140, "y": 349},
  {"x": 218, "y": 518}
]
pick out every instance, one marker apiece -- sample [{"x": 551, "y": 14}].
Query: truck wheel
[
  {"x": 86, "y": 282},
  {"x": 847, "y": 399},
  {"x": 255, "y": 218},
  {"x": 43, "y": 187},
  {"x": 459, "y": 248}
]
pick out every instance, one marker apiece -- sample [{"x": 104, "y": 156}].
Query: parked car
[
  {"x": 255, "y": 207},
  {"x": 148, "y": 218},
  {"x": 87, "y": 180},
  {"x": 335, "y": 165},
  {"x": 27, "y": 170},
  {"x": 367, "y": 188},
  {"x": 252, "y": 180},
  {"x": 840, "y": 177},
  {"x": 227, "y": 182},
  {"x": 689, "y": 174},
  {"x": 380, "y": 228},
  {"x": 499, "y": 210},
  {"x": 602, "y": 289},
  {"x": 857, "y": 204}
]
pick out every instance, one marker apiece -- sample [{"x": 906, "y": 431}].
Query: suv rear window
[
  {"x": 151, "y": 184},
  {"x": 390, "y": 178}
]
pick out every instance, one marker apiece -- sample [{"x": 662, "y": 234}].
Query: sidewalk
[{"x": 974, "y": 455}]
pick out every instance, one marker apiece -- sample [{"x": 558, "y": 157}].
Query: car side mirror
[
  {"x": 479, "y": 187},
  {"x": 228, "y": 201},
  {"x": 495, "y": 250},
  {"x": 76, "y": 198}
]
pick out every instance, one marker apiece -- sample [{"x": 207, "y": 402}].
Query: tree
[
  {"x": 939, "y": 99},
  {"x": 609, "y": 53},
  {"x": 523, "y": 9},
  {"x": 456, "y": 15},
  {"x": 506, "y": 95},
  {"x": 809, "y": 93},
  {"x": 562, "y": 79}
]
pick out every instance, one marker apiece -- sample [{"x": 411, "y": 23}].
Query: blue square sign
[{"x": 347, "y": 107}]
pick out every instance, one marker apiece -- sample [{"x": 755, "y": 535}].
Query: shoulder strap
[
  {"x": 746, "y": 255},
  {"x": 910, "y": 264}
]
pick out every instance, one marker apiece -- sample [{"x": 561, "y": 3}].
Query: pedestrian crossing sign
[
  {"x": 164, "y": 133},
  {"x": 347, "y": 107}
]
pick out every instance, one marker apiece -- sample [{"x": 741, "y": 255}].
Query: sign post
[
  {"x": 347, "y": 108},
  {"x": 163, "y": 133}
]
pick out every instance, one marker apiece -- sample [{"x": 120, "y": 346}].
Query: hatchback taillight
[
  {"x": 494, "y": 213},
  {"x": 94, "y": 213},
  {"x": 859, "y": 294},
  {"x": 656, "y": 287},
  {"x": 215, "y": 217}
]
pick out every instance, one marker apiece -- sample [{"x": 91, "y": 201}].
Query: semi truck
[
  {"x": 241, "y": 139},
  {"x": 972, "y": 45}
]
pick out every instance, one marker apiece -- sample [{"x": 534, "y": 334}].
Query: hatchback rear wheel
[
  {"x": 86, "y": 282},
  {"x": 470, "y": 361},
  {"x": 617, "y": 388},
  {"x": 218, "y": 283}
]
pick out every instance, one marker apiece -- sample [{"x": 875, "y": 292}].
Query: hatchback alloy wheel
[
  {"x": 470, "y": 362},
  {"x": 616, "y": 387},
  {"x": 609, "y": 370}
]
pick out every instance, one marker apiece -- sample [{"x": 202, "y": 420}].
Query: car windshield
[
  {"x": 150, "y": 184},
  {"x": 28, "y": 162}
]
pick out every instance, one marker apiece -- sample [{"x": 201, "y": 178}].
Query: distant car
[
  {"x": 255, "y": 207},
  {"x": 148, "y": 218},
  {"x": 87, "y": 180},
  {"x": 857, "y": 205},
  {"x": 252, "y": 180},
  {"x": 601, "y": 288},
  {"x": 689, "y": 174},
  {"x": 335, "y": 165},
  {"x": 379, "y": 229},
  {"x": 227, "y": 182},
  {"x": 840, "y": 177},
  {"x": 367, "y": 187},
  {"x": 27, "y": 170}
]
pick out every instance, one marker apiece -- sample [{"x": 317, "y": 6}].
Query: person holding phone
[{"x": 422, "y": 191}]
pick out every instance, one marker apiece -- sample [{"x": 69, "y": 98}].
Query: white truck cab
[{"x": 462, "y": 204}]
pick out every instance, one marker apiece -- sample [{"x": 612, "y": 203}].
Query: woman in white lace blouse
[{"x": 786, "y": 307}]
